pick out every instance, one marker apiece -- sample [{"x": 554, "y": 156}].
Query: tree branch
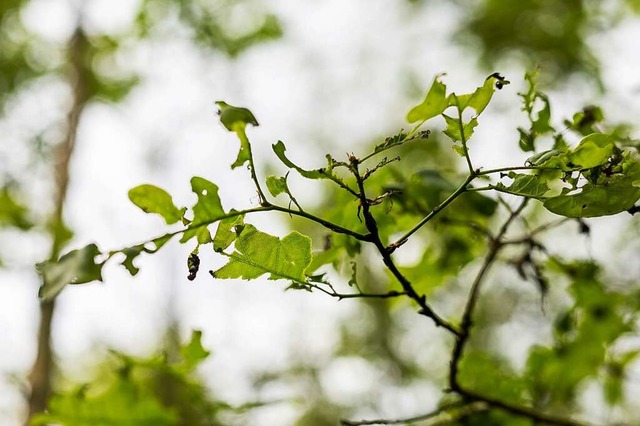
[
  {"x": 466, "y": 323},
  {"x": 372, "y": 227}
]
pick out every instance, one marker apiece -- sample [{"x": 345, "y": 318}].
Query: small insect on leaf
[{"x": 193, "y": 263}]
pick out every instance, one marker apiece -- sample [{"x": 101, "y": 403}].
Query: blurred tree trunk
[{"x": 43, "y": 367}]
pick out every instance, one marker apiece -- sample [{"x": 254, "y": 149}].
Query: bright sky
[{"x": 339, "y": 77}]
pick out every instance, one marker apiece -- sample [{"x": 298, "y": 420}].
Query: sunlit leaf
[
  {"x": 152, "y": 199},
  {"x": 433, "y": 105},
  {"x": 592, "y": 151},
  {"x": 257, "y": 253},
  {"x": 277, "y": 185},
  {"x": 279, "y": 148},
  {"x": 454, "y": 131},
  {"x": 207, "y": 210},
  {"x": 227, "y": 232},
  {"x": 479, "y": 99}
]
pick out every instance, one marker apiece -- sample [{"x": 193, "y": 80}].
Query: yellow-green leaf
[{"x": 257, "y": 253}]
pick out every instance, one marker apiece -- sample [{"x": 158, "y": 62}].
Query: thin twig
[
  {"x": 340, "y": 296},
  {"x": 466, "y": 323},
  {"x": 468, "y": 409},
  {"x": 521, "y": 411},
  {"x": 461, "y": 189}
]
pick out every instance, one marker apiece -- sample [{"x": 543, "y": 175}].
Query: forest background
[{"x": 98, "y": 98}]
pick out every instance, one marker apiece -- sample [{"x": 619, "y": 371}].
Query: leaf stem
[
  {"x": 268, "y": 207},
  {"x": 463, "y": 139},
  {"x": 252, "y": 167}
]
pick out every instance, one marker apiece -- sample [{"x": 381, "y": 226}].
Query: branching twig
[
  {"x": 466, "y": 323},
  {"x": 465, "y": 328},
  {"x": 340, "y": 296},
  {"x": 372, "y": 227}
]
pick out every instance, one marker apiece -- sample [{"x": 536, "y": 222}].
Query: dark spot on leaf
[{"x": 584, "y": 206}]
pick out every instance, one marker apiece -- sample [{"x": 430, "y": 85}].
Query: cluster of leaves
[
  {"x": 159, "y": 390},
  {"x": 597, "y": 177}
]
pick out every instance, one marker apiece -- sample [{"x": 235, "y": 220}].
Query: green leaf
[
  {"x": 453, "y": 128},
  {"x": 459, "y": 149},
  {"x": 193, "y": 353},
  {"x": 526, "y": 141},
  {"x": 207, "y": 210},
  {"x": 123, "y": 403},
  {"x": 235, "y": 118},
  {"x": 542, "y": 124},
  {"x": 279, "y": 148},
  {"x": 525, "y": 185},
  {"x": 433, "y": 105},
  {"x": 257, "y": 253},
  {"x": 540, "y": 120},
  {"x": 592, "y": 151},
  {"x": 479, "y": 99},
  {"x": 277, "y": 185},
  {"x": 152, "y": 199},
  {"x": 617, "y": 194},
  {"x": 13, "y": 213},
  {"x": 75, "y": 267},
  {"x": 130, "y": 255},
  {"x": 225, "y": 234}
]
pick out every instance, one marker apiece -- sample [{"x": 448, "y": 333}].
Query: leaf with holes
[
  {"x": 257, "y": 253},
  {"x": 207, "y": 210},
  {"x": 525, "y": 186},
  {"x": 619, "y": 193}
]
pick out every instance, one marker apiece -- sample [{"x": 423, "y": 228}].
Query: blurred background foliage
[{"x": 588, "y": 311}]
